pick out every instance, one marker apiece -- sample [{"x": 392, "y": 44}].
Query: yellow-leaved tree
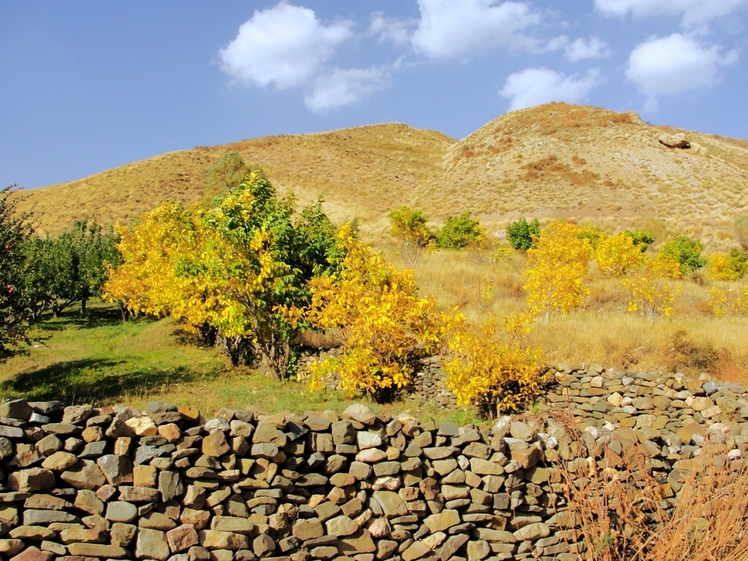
[
  {"x": 493, "y": 375},
  {"x": 383, "y": 324},
  {"x": 617, "y": 255},
  {"x": 555, "y": 269},
  {"x": 241, "y": 268},
  {"x": 651, "y": 290}
]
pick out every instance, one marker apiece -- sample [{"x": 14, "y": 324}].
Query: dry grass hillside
[
  {"x": 555, "y": 160},
  {"x": 593, "y": 165},
  {"x": 363, "y": 172}
]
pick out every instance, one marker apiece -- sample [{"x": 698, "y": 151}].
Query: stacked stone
[
  {"x": 114, "y": 483},
  {"x": 429, "y": 383}
]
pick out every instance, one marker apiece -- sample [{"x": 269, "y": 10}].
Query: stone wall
[{"x": 115, "y": 483}]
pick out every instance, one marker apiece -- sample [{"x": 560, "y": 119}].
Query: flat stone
[
  {"x": 360, "y": 413},
  {"x": 86, "y": 474},
  {"x": 31, "y": 480},
  {"x": 360, "y": 542},
  {"x": 33, "y": 517},
  {"x": 16, "y": 409},
  {"x": 307, "y": 529},
  {"x": 215, "y": 445},
  {"x": 232, "y": 524},
  {"x": 142, "y": 426},
  {"x": 532, "y": 532},
  {"x": 182, "y": 538},
  {"x": 391, "y": 503},
  {"x": 121, "y": 511},
  {"x": 33, "y": 553},
  {"x": 60, "y": 461},
  {"x": 341, "y": 526},
  {"x": 117, "y": 469},
  {"x": 76, "y": 414},
  {"x": 442, "y": 521},
  {"x": 212, "y": 539},
  {"x": 45, "y": 502},
  {"x": 152, "y": 544}
]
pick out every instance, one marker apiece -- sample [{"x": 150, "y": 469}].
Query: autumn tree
[
  {"x": 651, "y": 291},
  {"x": 617, "y": 255},
  {"x": 412, "y": 235},
  {"x": 492, "y": 372},
  {"x": 14, "y": 313},
  {"x": 241, "y": 267},
  {"x": 383, "y": 324},
  {"x": 556, "y": 268}
]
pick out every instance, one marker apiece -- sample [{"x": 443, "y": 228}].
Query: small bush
[
  {"x": 460, "y": 232},
  {"x": 522, "y": 234},
  {"x": 686, "y": 252}
]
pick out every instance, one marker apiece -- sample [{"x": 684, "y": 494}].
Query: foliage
[
  {"x": 69, "y": 267},
  {"x": 617, "y": 255},
  {"x": 493, "y": 376},
  {"x": 241, "y": 268},
  {"x": 382, "y": 322},
  {"x": 641, "y": 238},
  {"x": 459, "y": 232},
  {"x": 741, "y": 229},
  {"x": 224, "y": 176},
  {"x": 521, "y": 234},
  {"x": 14, "y": 314},
  {"x": 651, "y": 293},
  {"x": 722, "y": 301},
  {"x": 408, "y": 227},
  {"x": 593, "y": 234},
  {"x": 555, "y": 269},
  {"x": 686, "y": 252},
  {"x": 730, "y": 267}
]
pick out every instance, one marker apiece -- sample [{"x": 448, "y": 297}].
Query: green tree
[
  {"x": 224, "y": 176},
  {"x": 14, "y": 311},
  {"x": 459, "y": 232},
  {"x": 686, "y": 252},
  {"x": 408, "y": 227},
  {"x": 641, "y": 238},
  {"x": 522, "y": 234}
]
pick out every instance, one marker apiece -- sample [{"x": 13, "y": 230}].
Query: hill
[{"x": 556, "y": 160}]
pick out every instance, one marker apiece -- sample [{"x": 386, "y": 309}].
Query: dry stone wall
[{"x": 80, "y": 483}]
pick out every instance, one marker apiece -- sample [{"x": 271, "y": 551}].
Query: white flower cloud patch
[
  {"x": 534, "y": 86},
  {"x": 283, "y": 47},
  {"x": 344, "y": 86},
  {"x": 458, "y": 28},
  {"x": 692, "y": 12},
  {"x": 673, "y": 65}
]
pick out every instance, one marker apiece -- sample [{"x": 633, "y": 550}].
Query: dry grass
[
  {"x": 602, "y": 331},
  {"x": 624, "y": 514}
]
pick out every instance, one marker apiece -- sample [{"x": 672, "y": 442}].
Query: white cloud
[
  {"x": 457, "y": 28},
  {"x": 693, "y": 12},
  {"x": 581, "y": 49},
  {"x": 534, "y": 86},
  {"x": 673, "y": 65},
  {"x": 389, "y": 29},
  {"x": 283, "y": 46},
  {"x": 344, "y": 86}
]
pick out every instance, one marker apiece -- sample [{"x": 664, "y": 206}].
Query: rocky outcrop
[
  {"x": 674, "y": 141},
  {"x": 167, "y": 484}
]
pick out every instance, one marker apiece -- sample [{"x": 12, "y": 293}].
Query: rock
[
  {"x": 181, "y": 538},
  {"x": 16, "y": 409},
  {"x": 98, "y": 550},
  {"x": 263, "y": 545},
  {"x": 86, "y": 474},
  {"x": 76, "y": 414},
  {"x": 121, "y": 511},
  {"x": 212, "y": 539},
  {"x": 142, "y": 426},
  {"x": 358, "y": 543},
  {"x": 532, "y": 532},
  {"x": 33, "y": 553},
  {"x": 152, "y": 544},
  {"x": 162, "y": 413},
  {"x": 442, "y": 521},
  {"x": 368, "y": 440},
  {"x": 391, "y": 503},
  {"x": 308, "y": 529},
  {"x": 31, "y": 480},
  {"x": 117, "y": 469},
  {"x": 360, "y": 413},
  {"x": 341, "y": 526},
  {"x": 215, "y": 445},
  {"x": 674, "y": 141}
]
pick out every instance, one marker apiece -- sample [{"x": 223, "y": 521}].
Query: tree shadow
[{"x": 91, "y": 381}]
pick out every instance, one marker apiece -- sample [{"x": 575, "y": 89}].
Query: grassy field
[{"x": 104, "y": 361}]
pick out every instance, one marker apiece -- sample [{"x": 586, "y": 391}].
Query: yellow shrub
[
  {"x": 723, "y": 267},
  {"x": 383, "y": 323},
  {"x": 651, "y": 292},
  {"x": 617, "y": 255},
  {"x": 493, "y": 376}
]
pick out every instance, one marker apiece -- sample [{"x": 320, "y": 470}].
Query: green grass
[{"x": 102, "y": 360}]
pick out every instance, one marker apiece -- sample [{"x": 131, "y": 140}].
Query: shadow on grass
[
  {"x": 91, "y": 381},
  {"x": 97, "y": 315}
]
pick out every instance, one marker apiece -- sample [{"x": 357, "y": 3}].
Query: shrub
[
  {"x": 460, "y": 232},
  {"x": 521, "y": 234},
  {"x": 617, "y": 255},
  {"x": 686, "y": 252},
  {"x": 651, "y": 292},
  {"x": 493, "y": 376},
  {"x": 408, "y": 227},
  {"x": 383, "y": 323},
  {"x": 641, "y": 238},
  {"x": 729, "y": 267}
]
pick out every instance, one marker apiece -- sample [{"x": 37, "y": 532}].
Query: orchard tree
[
  {"x": 14, "y": 310},
  {"x": 241, "y": 268},
  {"x": 555, "y": 269},
  {"x": 686, "y": 252},
  {"x": 413, "y": 237},
  {"x": 460, "y": 232},
  {"x": 522, "y": 234},
  {"x": 383, "y": 324},
  {"x": 617, "y": 255}
]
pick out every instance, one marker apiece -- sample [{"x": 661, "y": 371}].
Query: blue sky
[{"x": 90, "y": 85}]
